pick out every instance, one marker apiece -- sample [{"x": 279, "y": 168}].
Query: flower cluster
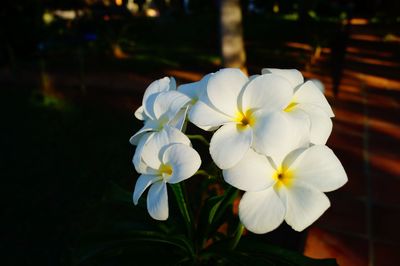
[{"x": 269, "y": 141}]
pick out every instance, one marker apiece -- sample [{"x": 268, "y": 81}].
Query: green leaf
[
  {"x": 183, "y": 206},
  {"x": 227, "y": 200}
]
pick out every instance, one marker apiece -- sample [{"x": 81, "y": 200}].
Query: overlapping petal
[
  {"x": 143, "y": 182},
  {"x": 274, "y": 135},
  {"x": 292, "y": 75},
  {"x": 253, "y": 173},
  {"x": 147, "y": 128},
  {"x": 140, "y": 165},
  {"x": 224, "y": 88},
  {"x": 203, "y": 115},
  {"x": 152, "y": 152},
  {"x": 229, "y": 144},
  {"x": 160, "y": 85},
  {"x": 309, "y": 94},
  {"x": 261, "y": 212},
  {"x": 321, "y": 123},
  {"x": 157, "y": 201},
  {"x": 184, "y": 160},
  {"x": 267, "y": 92},
  {"x": 169, "y": 103}
]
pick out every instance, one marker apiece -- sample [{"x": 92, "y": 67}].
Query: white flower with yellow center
[
  {"x": 164, "y": 161},
  {"x": 250, "y": 113},
  {"x": 307, "y": 99},
  {"x": 290, "y": 189}
]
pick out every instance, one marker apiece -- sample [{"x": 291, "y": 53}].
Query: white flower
[
  {"x": 307, "y": 98},
  {"x": 290, "y": 189},
  {"x": 162, "y": 105},
  {"x": 250, "y": 113},
  {"x": 164, "y": 161}
]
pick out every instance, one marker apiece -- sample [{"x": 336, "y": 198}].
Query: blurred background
[{"x": 72, "y": 73}]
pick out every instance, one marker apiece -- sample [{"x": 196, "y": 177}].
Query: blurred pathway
[{"x": 361, "y": 227}]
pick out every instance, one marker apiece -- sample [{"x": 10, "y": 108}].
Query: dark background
[{"x": 69, "y": 87}]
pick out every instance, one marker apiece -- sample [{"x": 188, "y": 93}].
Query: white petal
[
  {"x": 308, "y": 93},
  {"x": 205, "y": 116},
  {"x": 184, "y": 160},
  {"x": 147, "y": 128},
  {"x": 261, "y": 212},
  {"x": 301, "y": 122},
  {"x": 276, "y": 135},
  {"x": 179, "y": 120},
  {"x": 253, "y": 173},
  {"x": 143, "y": 182},
  {"x": 304, "y": 205},
  {"x": 229, "y": 144},
  {"x": 267, "y": 92},
  {"x": 157, "y": 201},
  {"x": 224, "y": 88},
  {"x": 321, "y": 123},
  {"x": 169, "y": 103},
  {"x": 139, "y": 113},
  {"x": 318, "y": 166},
  {"x": 195, "y": 89},
  {"x": 140, "y": 165},
  {"x": 292, "y": 75},
  {"x": 153, "y": 149},
  {"x": 151, "y": 92}
]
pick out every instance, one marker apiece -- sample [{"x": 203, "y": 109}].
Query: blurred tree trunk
[{"x": 232, "y": 46}]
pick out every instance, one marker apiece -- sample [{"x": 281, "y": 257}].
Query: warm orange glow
[
  {"x": 118, "y": 2},
  {"x": 185, "y": 75},
  {"x": 375, "y": 81},
  {"x": 322, "y": 244},
  {"x": 357, "y": 50},
  {"x": 299, "y": 45},
  {"x": 118, "y": 52},
  {"x": 372, "y": 61},
  {"x": 359, "y": 21},
  {"x": 366, "y": 37}
]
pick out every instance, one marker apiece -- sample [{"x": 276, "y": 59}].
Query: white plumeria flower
[
  {"x": 307, "y": 98},
  {"x": 251, "y": 113},
  {"x": 164, "y": 162},
  {"x": 162, "y": 106},
  {"x": 290, "y": 189}
]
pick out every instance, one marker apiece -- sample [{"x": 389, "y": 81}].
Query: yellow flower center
[
  {"x": 290, "y": 106},
  {"x": 245, "y": 119},
  {"x": 165, "y": 170},
  {"x": 283, "y": 177}
]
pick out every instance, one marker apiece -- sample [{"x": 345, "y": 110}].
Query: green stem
[
  {"x": 199, "y": 138},
  {"x": 237, "y": 236}
]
